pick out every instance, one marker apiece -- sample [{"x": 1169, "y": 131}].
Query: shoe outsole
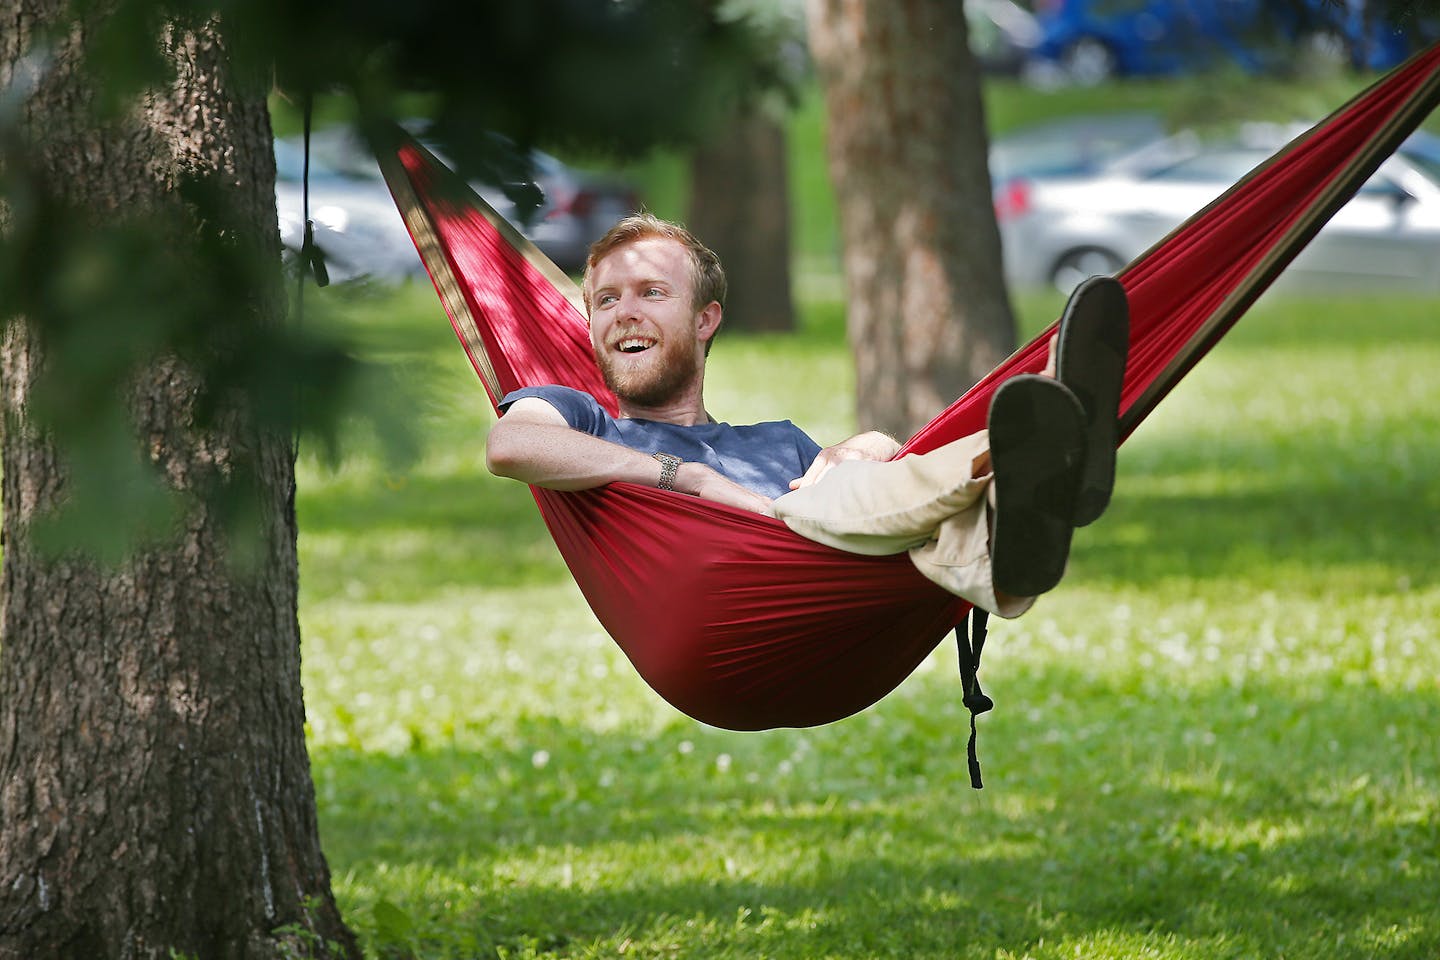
[
  {"x": 1037, "y": 451},
  {"x": 1090, "y": 360}
]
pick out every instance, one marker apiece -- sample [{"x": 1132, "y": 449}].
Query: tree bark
[
  {"x": 928, "y": 312},
  {"x": 740, "y": 208},
  {"x": 155, "y": 791}
]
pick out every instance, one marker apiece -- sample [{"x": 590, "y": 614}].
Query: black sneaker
[
  {"x": 1090, "y": 360},
  {"x": 1037, "y": 453}
]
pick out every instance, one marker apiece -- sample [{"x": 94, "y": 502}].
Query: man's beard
[{"x": 658, "y": 379}]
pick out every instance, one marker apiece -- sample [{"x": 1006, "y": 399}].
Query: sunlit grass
[{"x": 1215, "y": 739}]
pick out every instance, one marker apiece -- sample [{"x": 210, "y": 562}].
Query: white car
[
  {"x": 357, "y": 225},
  {"x": 362, "y": 233},
  {"x": 1058, "y": 231}
]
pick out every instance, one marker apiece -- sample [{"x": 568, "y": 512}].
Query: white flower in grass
[
  {"x": 539, "y": 759},
  {"x": 722, "y": 763}
]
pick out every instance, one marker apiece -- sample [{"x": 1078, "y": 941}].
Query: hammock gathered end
[{"x": 731, "y": 617}]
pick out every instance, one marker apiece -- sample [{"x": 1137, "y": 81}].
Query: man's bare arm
[{"x": 533, "y": 443}]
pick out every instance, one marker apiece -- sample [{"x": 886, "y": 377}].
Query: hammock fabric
[{"x": 728, "y": 615}]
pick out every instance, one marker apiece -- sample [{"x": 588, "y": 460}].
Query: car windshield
[
  {"x": 1072, "y": 145},
  {"x": 1223, "y": 166},
  {"x": 1426, "y": 162},
  {"x": 1232, "y": 164}
]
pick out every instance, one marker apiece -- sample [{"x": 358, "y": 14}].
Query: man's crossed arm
[{"x": 533, "y": 443}]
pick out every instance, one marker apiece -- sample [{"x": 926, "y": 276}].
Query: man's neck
[
  {"x": 686, "y": 412},
  {"x": 684, "y": 407}
]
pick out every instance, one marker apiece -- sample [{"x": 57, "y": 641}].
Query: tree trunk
[
  {"x": 740, "y": 208},
  {"x": 928, "y": 312},
  {"x": 155, "y": 791}
]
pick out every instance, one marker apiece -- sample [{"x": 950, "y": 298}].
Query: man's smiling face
[{"x": 646, "y": 332}]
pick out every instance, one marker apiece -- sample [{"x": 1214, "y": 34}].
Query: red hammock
[{"x": 728, "y": 615}]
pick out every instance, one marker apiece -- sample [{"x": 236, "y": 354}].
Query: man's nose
[{"x": 629, "y": 308}]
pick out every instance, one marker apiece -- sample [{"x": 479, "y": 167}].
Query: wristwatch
[{"x": 668, "y": 465}]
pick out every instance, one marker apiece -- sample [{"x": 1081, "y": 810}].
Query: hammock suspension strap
[
  {"x": 970, "y": 643},
  {"x": 311, "y": 256}
]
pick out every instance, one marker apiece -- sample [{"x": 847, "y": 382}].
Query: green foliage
[
  {"x": 297, "y": 941},
  {"x": 1215, "y": 739},
  {"x": 394, "y": 930},
  {"x": 107, "y": 299}
]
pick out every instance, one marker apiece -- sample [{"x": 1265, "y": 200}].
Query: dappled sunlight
[
  {"x": 654, "y": 831},
  {"x": 1215, "y": 738}
]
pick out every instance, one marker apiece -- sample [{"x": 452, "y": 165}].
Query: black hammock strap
[{"x": 970, "y": 645}]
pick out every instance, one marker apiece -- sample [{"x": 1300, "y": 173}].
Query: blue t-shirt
[{"x": 763, "y": 457}]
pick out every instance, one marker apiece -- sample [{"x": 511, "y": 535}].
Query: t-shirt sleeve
[
  {"x": 806, "y": 449},
  {"x": 582, "y": 411}
]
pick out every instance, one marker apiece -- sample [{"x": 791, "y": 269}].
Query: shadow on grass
[
  {"x": 432, "y": 504},
  {"x": 1255, "y": 822},
  {"x": 1291, "y": 320},
  {"x": 423, "y": 535},
  {"x": 1299, "y": 515}
]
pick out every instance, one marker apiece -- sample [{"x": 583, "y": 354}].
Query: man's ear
[{"x": 708, "y": 322}]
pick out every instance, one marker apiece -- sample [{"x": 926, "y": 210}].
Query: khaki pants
[{"x": 927, "y": 505}]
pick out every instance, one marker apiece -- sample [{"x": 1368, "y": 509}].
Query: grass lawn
[{"x": 1216, "y": 739}]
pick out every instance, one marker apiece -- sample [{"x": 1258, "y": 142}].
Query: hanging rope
[
  {"x": 975, "y": 700},
  {"x": 311, "y": 256}
]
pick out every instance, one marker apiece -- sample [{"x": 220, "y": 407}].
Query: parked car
[
  {"x": 1002, "y": 35},
  {"x": 1091, "y": 41},
  {"x": 1060, "y": 230},
  {"x": 362, "y": 233},
  {"x": 577, "y": 208},
  {"x": 357, "y": 225},
  {"x": 1075, "y": 146},
  {"x": 1071, "y": 145}
]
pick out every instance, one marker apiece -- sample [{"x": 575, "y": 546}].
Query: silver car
[
  {"x": 1057, "y": 231},
  {"x": 363, "y": 235},
  {"x": 357, "y": 225}
]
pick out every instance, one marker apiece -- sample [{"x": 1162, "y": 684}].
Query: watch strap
[{"x": 669, "y": 465}]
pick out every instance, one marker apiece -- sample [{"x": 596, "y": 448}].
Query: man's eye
[{"x": 654, "y": 292}]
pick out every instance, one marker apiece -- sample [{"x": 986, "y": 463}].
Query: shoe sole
[
  {"x": 1037, "y": 453},
  {"x": 1090, "y": 360}
]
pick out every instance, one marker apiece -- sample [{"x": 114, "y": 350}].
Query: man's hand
[
  {"x": 864, "y": 446},
  {"x": 701, "y": 481}
]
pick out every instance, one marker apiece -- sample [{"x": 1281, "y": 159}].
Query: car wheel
[
  {"x": 1079, "y": 265},
  {"x": 1089, "y": 62}
]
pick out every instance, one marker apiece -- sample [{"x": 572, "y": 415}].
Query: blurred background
[{"x": 1110, "y": 122}]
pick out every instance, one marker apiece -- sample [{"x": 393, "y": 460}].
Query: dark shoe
[
  {"x": 1037, "y": 453},
  {"x": 1090, "y": 360}
]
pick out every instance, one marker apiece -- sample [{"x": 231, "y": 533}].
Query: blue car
[{"x": 1090, "y": 41}]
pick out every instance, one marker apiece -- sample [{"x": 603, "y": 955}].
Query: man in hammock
[{"x": 989, "y": 517}]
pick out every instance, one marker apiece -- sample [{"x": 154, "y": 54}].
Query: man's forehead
[{"x": 657, "y": 257}]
